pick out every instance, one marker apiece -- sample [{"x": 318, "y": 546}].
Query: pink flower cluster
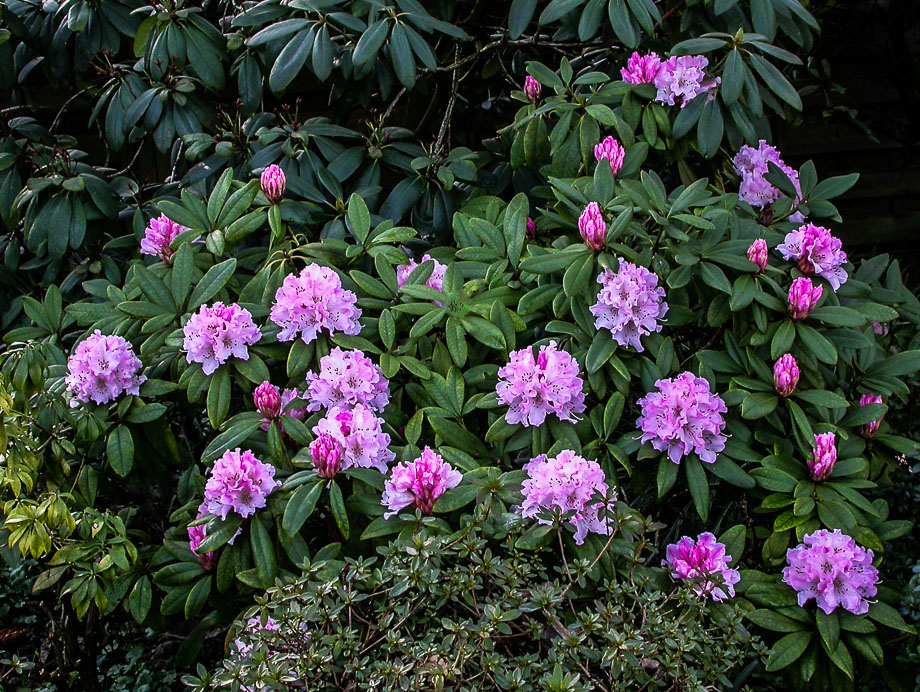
[
  {"x": 419, "y": 483},
  {"x": 786, "y": 375},
  {"x": 592, "y": 227},
  {"x": 314, "y": 300},
  {"x": 272, "y": 403},
  {"x": 641, "y": 69},
  {"x": 870, "y": 430},
  {"x": 818, "y": 252},
  {"x": 803, "y": 297},
  {"x": 567, "y": 483},
  {"x": 630, "y": 304},
  {"x": 683, "y": 416},
  {"x": 239, "y": 482},
  {"x": 197, "y": 534},
  {"x": 611, "y": 150},
  {"x": 359, "y": 433},
  {"x": 829, "y": 567},
  {"x": 823, "y": 457},
  {"x": 752, "y": 165},
  {"x": 757, "y": 254},
  {"x": 326, "y": 452},
  {"x": 101, "y": 368},
  {"x": 215, "y": 333},
  {"x": 347, "y": 378},
  {"x": 680, "y": 79},
  {"x": 533, "y": 388},
  {"x": 435, "y": 281},
  {"x": 158, "y": 236},
  {"x": 704, "y": 564}
]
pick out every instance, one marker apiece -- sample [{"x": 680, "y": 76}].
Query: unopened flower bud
[
  {"x": 803, "y": 297},
  {"x": 273, "y": 183},
  {"x": 592, "y": 227},
  {"x": 786, "y": 375},
  {"x": 532, "y": 89},
  {"x": 869, "y": 430},
  {"x": 531, "y": 232},
  {"x": 824, "y": 456},
  {"x": 611, "y": 150},
  {"x": 757, "y": 254},
  {"x": 267, "y": 399},
  {"x": 327, "y": 455}
]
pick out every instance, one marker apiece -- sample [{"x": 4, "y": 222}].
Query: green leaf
[
  {"x": 301, "y": 505},
  {"x": 219, "y": 392},
  {"x": 732, "y": 77},
  {"x": 758, "y": 405},
  {"x": 219, "y": 532},
  {"x": 291, "y": 60},
  {"x": 898, "y": 365},
  {"x": 884, "y": 614},
  {"x": 197, "y": 597},
  {"x": 829, "y": 629},
  {"x": 710, "y": 128},
  {"x": 602, "y": 348},
  {"x": 263, "y": 552},
  {"x": 579, "y": 274},
  {"x": 514, "y": 226},
  {"x": 120, "y": 450},
  {"x": 667, "y": 475},
  {"x": 382, "y": 527},
  {"x": 788, "y": 650},
  {"x": 232, "y": 437},
  {"x": 519, "y": 16},
  {"x": 776, "y": 82},
  {"x": 729, "y": 471},
  {"x": 337, "y": 506},
  {"x": 775, "y": 622},
  {"x": 359, "y": 218},
  {"x": 402, "y": 57},
  {"x": 456, "y": 340},
  {"x": 782, "y": 341},
  {"x": 370, "y": 43},
  {"x": 535, "y": 537},
  {"x": 820, "y": 397},
  {"x": 455, "y": 498},
  {"x": 211, "y": 283},
  {"x": 839, "y": 316},
  {"x": 698, "y": 485},
  {"x": 833, "y": 187},
  {"x": 820, "y": 347}
]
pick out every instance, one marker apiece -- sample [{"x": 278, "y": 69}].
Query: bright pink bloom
[
  {"x": 158, "y": 236},
  {"x": 630, "y": 304},
  {"x": 611, "y": 150},
  {"x": 533, "y": 388},
  {"x": 592, "y": 227},
  {"x": 101, "y": 368},
  {"x": 641, "y": 69},
  {"x": 785, "y": 375},
  {"x": 217, "y": 332},
  {"x": 273, "y": 183},
  {"x": 757, "y": 254},
  {"x": 312, "y": 301},
  {"x": 531, "y": 231},
  {"x": 680, "y": 79},
  {"x": 683, "y": 416},
  {"x": 752, "y": 165},
  {"x": 267, "y": 399},
  {"x": 832, "y": 569},
  {"x": 326, "y": 452},
  {"x": 532, "y": 89},
  {"x": 818, "y": 252},
  {"x": 435, "y": 281},
  {"x": 419, "y": 483},
  {"x": 573, "y": 487},
  {"x": 870, "y": 430},
  {"x": 823, "y": 457},
  {"x": 347, "y": 378},
  {"x": 803, "y": 297},
  {"x": 704, "y": 564},
  {"x": 359, "y": 432},
  {"x": 196, "y": 534},
  {"x": 239, "y": 482}
]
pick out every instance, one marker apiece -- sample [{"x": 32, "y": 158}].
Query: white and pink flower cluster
[
  {"x": 347, "y": 378},
  {"x": 419, "y": 483},
  {"x": 817, "y": 252},
  {"x": 752, "y": 165},
  {"x": 359, "y": 440},
  {"x": 239, "y": 482},
  {"x": 630, "y": 304},
  {"x": 101, "y": 368},
  {"x": 312, "y": 301},
  {"x": 532, "y": 387},
  {"x": 218, "y": 332},
  {"x": 703, "y": 563},
  {"x": 571, "y": 486},
  {"x": 831, "y": 568},
  {"x": 679, "y": 79},
  {"x": 683, "y": 416}
]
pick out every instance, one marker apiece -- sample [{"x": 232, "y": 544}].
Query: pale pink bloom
[{"x": 419, "y": 483}]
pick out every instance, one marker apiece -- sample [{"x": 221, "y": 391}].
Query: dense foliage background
[{"x": 403, "y": 129}]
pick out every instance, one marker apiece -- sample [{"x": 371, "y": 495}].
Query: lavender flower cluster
[
  {"x": 101, "y": 368},
  {"x": 533, "y": 388},
  {"x": 630, "y": 304},
  {"x": 312, "y": 301}
]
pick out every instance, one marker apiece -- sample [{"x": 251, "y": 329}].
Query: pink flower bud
[
  {"x": 824, "y": 456},
  {"x": 197, "y": 534},
  {"x": 869, "y": 430},
  {"x": 803, "y": 297},
  {"x": 267, "y": 399},
  {"x": 531, "y": 232},
  {"x": 532, "y": 89},
  {"x": 592, "y": 227},
  {"x": 327, "y": 455},
  {"x": 611, "y": 150},
  {"x": 757, "y": 254},
  {"x": 785, "y": 375},
  {"x": 273, "y": 183},
  {"x": 880, "y": 328}
]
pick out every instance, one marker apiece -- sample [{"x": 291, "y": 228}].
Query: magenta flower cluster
[
  {"x": 314, "y": 300},
  {"x": 158, "y": 236},
  {"x": 197, "y": 534},
  {"x": 786, "y": 375},
  {"x": 592, "y": 227},
  {"x": 435, "y": 281},
  {"x": 613, "y": 151},
  {"x": 870, "y": 430},
  {"x": 272, "y": 404},
  {"x": 347, "y": 378},
  {"x": 831, "y": 568},
  {"x": 359, "y": 433},
  {"x": 752, "y": 165},
  {"x": 823, "y": 457},
  {"x": 683, "y": 416},
  {"x": 680, "y": 79},
  {"x": 239, "y": 482},
  {"x": 641, "y": 69},
  {"x": 273, "y": 183},
  {"x": 533, "y": 388},
  {"x": 571, "y": 485},
  {"x": 803, "y": 297},
  {"x": 532, "y": 89},
  {"x": 218, "y": 332},
  {"x": 817, "y": 252},
  {"x": 418, "y": 483},
  {"x": 630, "y": 304},
  {"x": 101, "y": 368},
  {"x": 703, "y": 563}
]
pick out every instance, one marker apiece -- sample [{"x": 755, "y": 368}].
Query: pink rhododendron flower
[
  {"x": 158, "y": 236},
  {"x": 239, "y": 482},
  {"x": 267, "y": 400},
  {"x": 273, "y": 183},
  {"x": 870, "y": 430},
  {"x": 531, "y": 231},
  {"x": 611, "y": 150},
  {"x": 680, "y": 79},
  {"x": 752, "y": 165},
  {"x": 298, "y": 412},
  {"x": 567, "y": 483},
  {"x": 101, "y": 368},
  {"x": 823, "y": 457},
  {"x": 641, "y": 69},
  {"x": 829, "y": 567},
  {"x": 532, "y": 89},
  {"x": 683, "y": 416},
  {"x": 314, "y": 300},
  {"x": 786, "y": 375},
  {"x": 347, "y": 378},
  {"x": 803, "y": 297},
  {"x": 818, "y": 252},
  {"x": 757, "y": 254},
  {"x": 419, "y": 483},
  {"x": 630, "y": 304},
  {"x": 704, "y": 564},
  {"x": 196, "y": 534},
  {"x": 592, "y": 227},
  {"x": 218, "y": 332},
  {"x": 358, "y": 431},
  {"x": 533, "y": 388},
  {"x": 326, "y": 452}
]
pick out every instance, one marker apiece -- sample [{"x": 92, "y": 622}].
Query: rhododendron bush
[{"x": 620, "y": 359}]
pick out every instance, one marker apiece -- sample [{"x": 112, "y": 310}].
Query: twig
[
  {"x": 386, "y": 113},
  {"x": 64, "y": 107},
  {"x": 445, "y": 123}
]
